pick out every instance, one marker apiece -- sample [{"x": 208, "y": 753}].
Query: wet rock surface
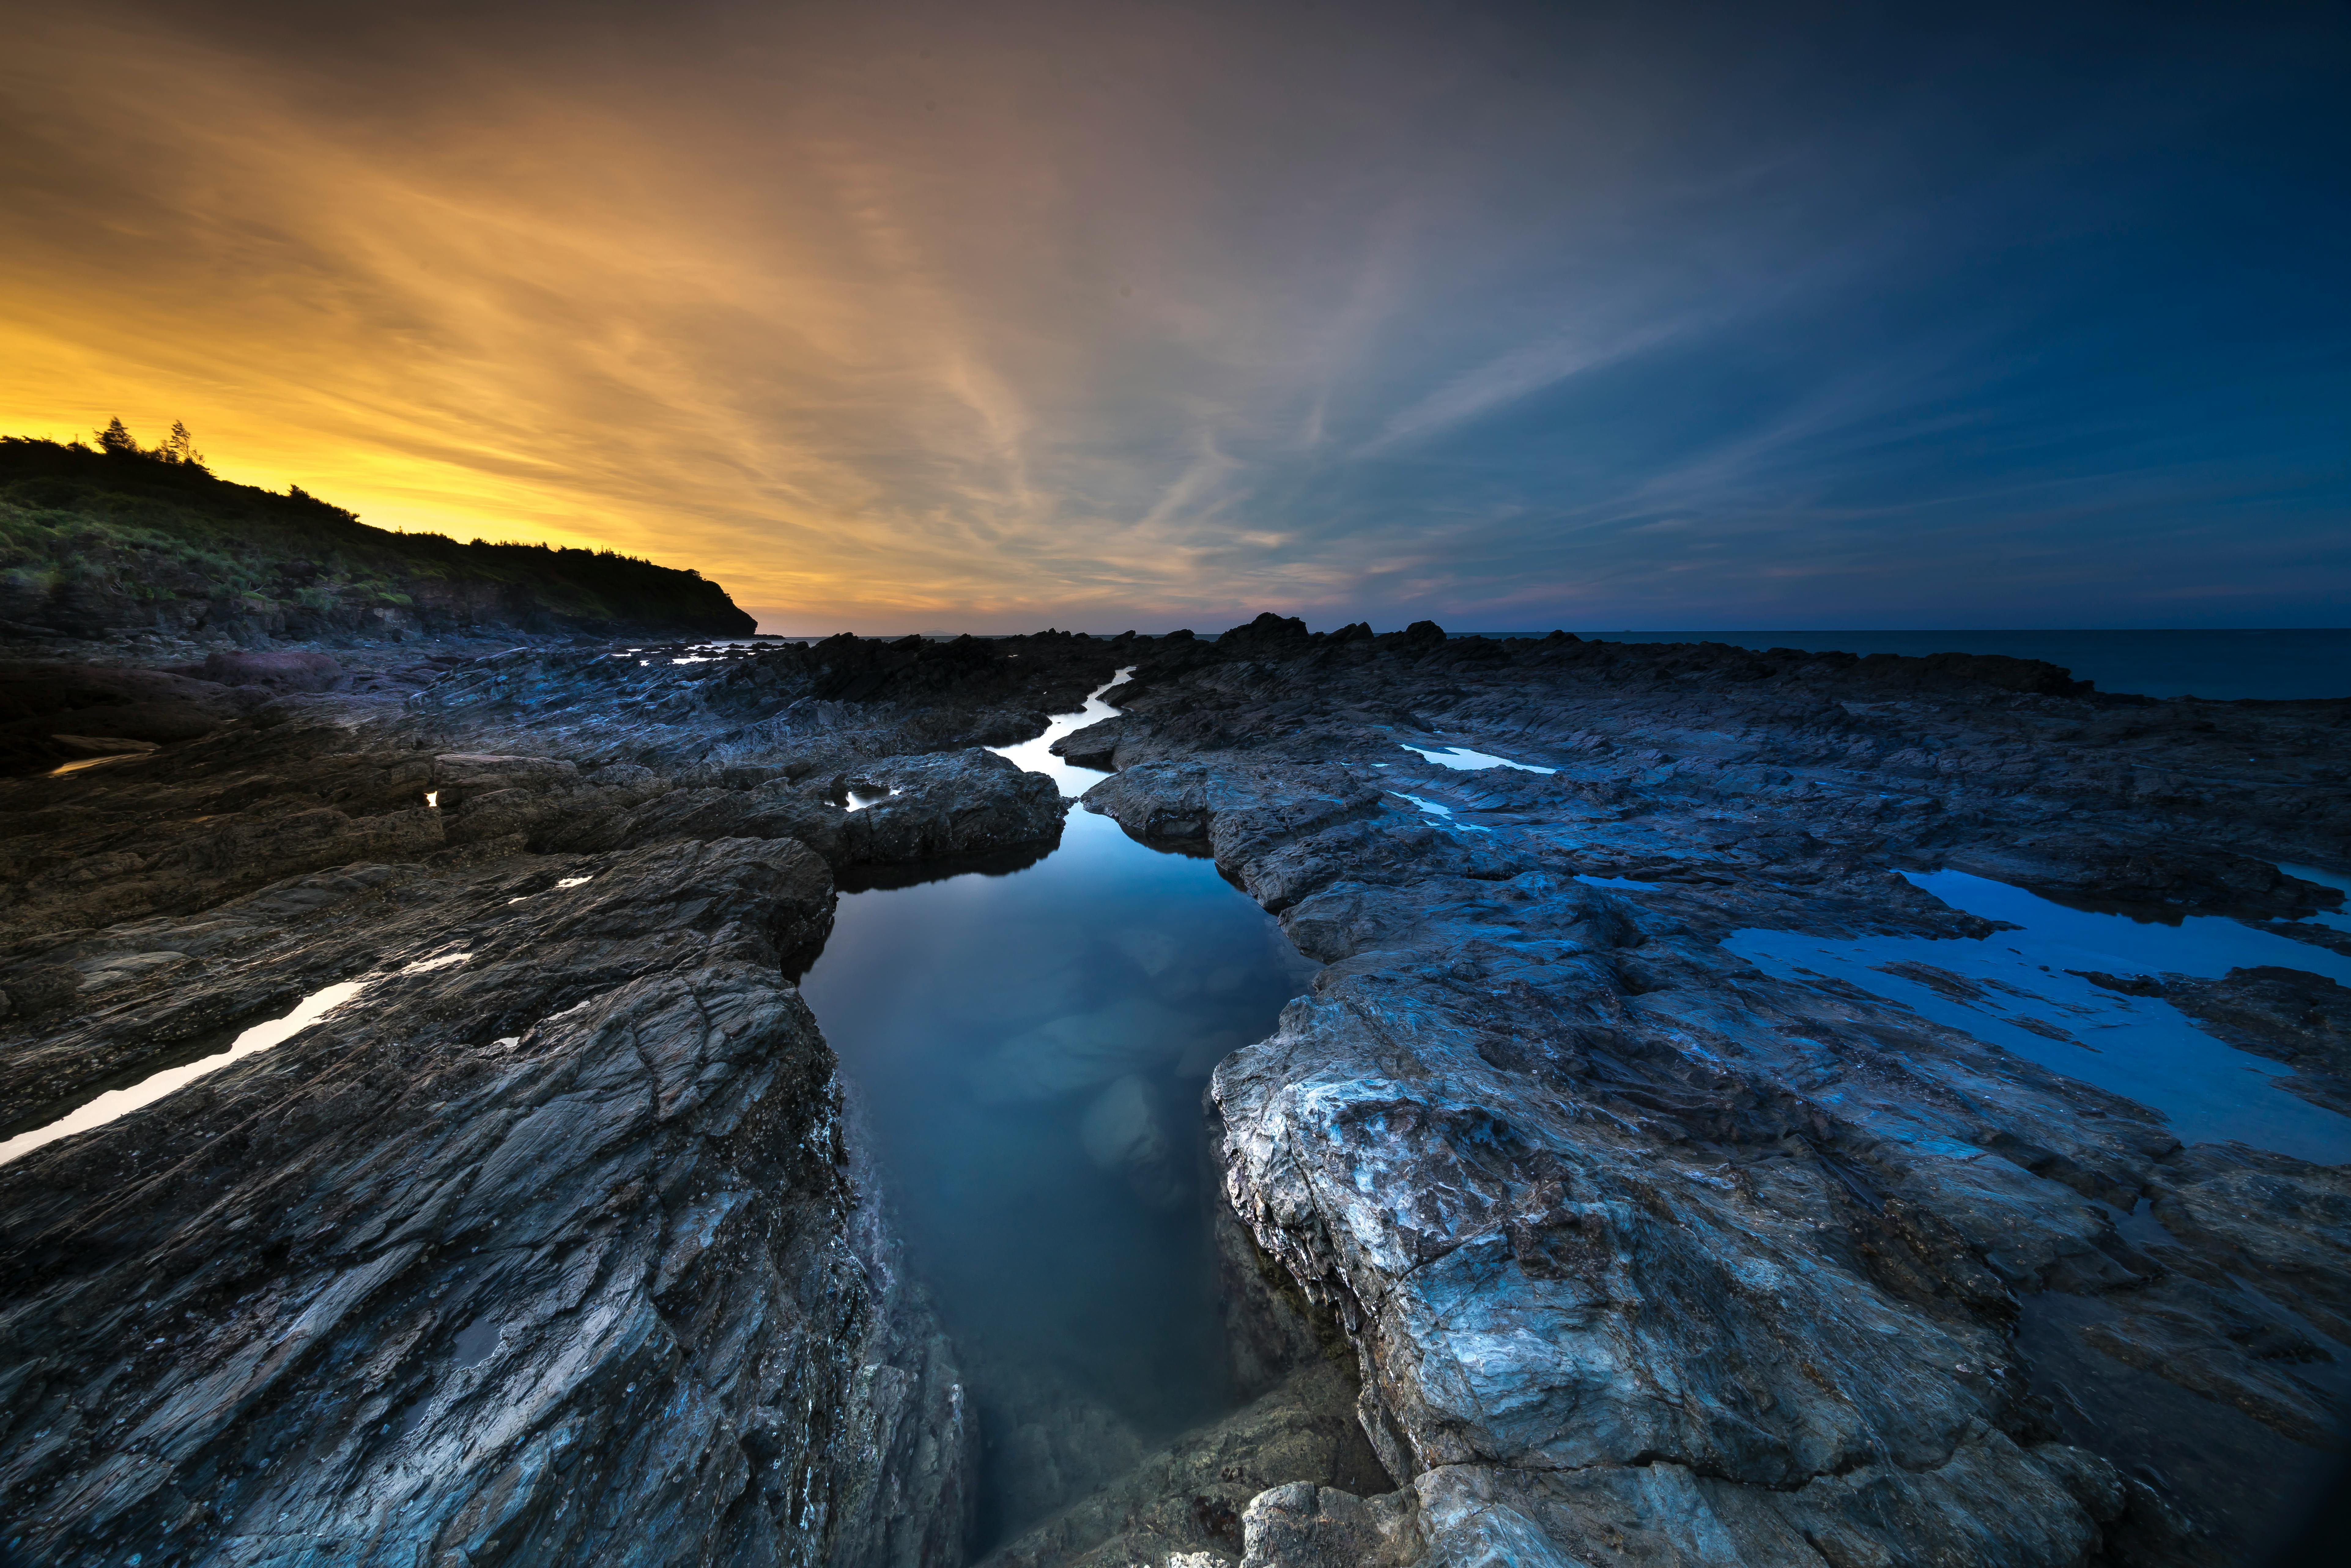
[
  {"x": 1551, "y": 1230},
  {"x": 2288, "y": 1015},
  {"x": 553, "y": 1244},
  {"x": 1649, "y": 1256}
]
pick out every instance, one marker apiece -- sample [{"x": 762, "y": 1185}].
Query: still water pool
[
  {"x": 2024, "y": 987},
  {"x": 1028, "y": 1051}
]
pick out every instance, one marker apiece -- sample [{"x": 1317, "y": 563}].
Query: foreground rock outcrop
[
  {"x": 550, "y": 1242},
  {"x": 533, "y": 1252},
  {"x": 1552, "y": 1230},
  {"x": 1652, "y": 1257}
]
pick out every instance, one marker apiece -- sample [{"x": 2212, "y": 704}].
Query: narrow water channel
[{"x": 1028, "y": 1051}]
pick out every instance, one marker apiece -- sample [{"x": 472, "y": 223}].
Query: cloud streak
[{"x": 1125, "y": 316}]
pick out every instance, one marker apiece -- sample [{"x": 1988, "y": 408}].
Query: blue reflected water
[
  {"x": 2339, "y": 917},
  {"x": 1029, "y": 1051},
  {"x": 2012, "y": 990}
]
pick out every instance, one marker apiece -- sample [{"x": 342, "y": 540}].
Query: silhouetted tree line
[{"x": 116, "y": 441}]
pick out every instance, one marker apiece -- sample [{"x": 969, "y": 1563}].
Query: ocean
[
  {"x": 2279, "y": 666},
  {"x": 2288, "y": 664}
]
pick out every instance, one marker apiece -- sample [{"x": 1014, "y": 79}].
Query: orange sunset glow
[{"x": 996, "y": 316}]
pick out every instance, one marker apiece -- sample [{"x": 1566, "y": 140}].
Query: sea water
[{"x": 2276, "y": 666}]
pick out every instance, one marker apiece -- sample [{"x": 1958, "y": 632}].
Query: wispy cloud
[
  {"x": 1125, "y": 316},
  {"x": 1520, "y": 373}
]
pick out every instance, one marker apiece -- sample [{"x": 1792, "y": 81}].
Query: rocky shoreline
[{"x": 557, "y": 1243}]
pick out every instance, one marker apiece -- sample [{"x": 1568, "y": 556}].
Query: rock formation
[
  {"x": 1553, "y": 1231},
  {"x": 1650, "y": 1256},
  {"x": 550, "y": 1244}
]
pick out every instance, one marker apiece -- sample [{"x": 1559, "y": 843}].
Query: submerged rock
[
  {"x": 1125, "y": 1130},
  {"x": 1082, "y": 1050},
  {"x": 1194, "y": 1494}
]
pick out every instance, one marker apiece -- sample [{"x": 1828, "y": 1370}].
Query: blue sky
[{"x": 1660, "y": 316}]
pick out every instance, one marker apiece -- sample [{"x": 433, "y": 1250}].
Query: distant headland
[{"x": 114, "y": 540}]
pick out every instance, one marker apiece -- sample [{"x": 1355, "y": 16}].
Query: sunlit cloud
[{"x": 1126, "y": 315}]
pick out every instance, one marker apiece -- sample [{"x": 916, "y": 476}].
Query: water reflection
[
  {"x": 1030, "y": 1051},
  {"x": 1029, "y": 1048},
  {"x": 1034, "y": 756},
  {"x": 2013, "y": 989},
  {"x": 1461, "y": 759},
  {"x": 2337, "y": 918},
  {"x": 101, "y": 1109}
]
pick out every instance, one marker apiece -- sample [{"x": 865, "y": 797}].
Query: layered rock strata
[
  {"x": 1571, "y": 1237},
  {"x": 550, "y": 1244},
  {"x": 1650, "y": 1256}
]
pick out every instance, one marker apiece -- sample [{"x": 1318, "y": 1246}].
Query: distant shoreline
[{"x": 2220, "y": 664}]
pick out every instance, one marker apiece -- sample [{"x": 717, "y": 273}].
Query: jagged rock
[
  {"x": 1302, "y": 1525},
  {"x": 1646, "y": 1253},
  {"x": 1095, "y": 746},
  {"x": 459, "y": 774},
  {"x": 289, "y": 669},
  {"x": 421, "y": 1277},
  {"x": 540, "y": 1250},
  {"x": 951, "y": 804},
  {"x": 1643, "y": 1255}
]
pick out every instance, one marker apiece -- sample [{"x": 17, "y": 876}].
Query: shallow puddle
[
  {"x": 2012, "y": 990},
  {"x": 1030, "y": 1050},
  {"x": 1461, "y": 759},
  {"x": 1442, "y": 813},
  {"x": 114, "y": 1103}
]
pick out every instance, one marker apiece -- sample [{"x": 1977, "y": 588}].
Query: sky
[{"x": 917, "y": 317}]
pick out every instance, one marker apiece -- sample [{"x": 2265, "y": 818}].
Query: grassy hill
[{"x": 113, "y": 541}]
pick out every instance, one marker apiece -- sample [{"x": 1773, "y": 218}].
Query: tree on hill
[{"x": 179, "y": 447}]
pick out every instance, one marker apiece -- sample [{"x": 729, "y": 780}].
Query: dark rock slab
[
  {"x": 1095, "y": 746},
  {"x": 284, "y": 669},
  {"x": 540, "y": 1256},
  {"x": 40, "y": 700},
  {"x": 1613, "y": 1247},
  {"x": 555, "y": 1245}
]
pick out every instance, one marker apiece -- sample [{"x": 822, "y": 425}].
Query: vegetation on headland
[{"x": 116, "y": 539}]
